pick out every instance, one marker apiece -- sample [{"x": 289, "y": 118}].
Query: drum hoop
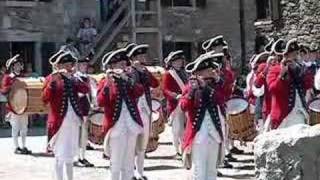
[
  {"x": 238, "y": 97},
  {"x": 10, "y": 105},
  {"x": 310, "y": 102}
]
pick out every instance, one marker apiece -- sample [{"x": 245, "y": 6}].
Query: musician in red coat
[
  {"x": 19, "y": 123},
  {"x": 138, "y": 57},
  {"x": 260, "y": 83},
  {"x": 64, "y": 119},
  {"x": 55, "y": 67},
  {"x": 205, "y": 130},
  {"x": 118, "y": 94},
  {"x": 174, "y": 80},
  {"x": 219, "y": 45},
  {"x": 288, "y": 83},
  {"x": 86, "y": 103}
]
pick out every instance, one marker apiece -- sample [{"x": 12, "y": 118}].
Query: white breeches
[
  {"x": 140, "y": 155},
  {"x": 178, "y": 120},
  {"x": 83, "y": 137},
  {"x": 122, "y": 153},
  {"x": 19, "y": 124},
  {"x": 204, "y": 160},
  {"x": 59, "y": 167}
]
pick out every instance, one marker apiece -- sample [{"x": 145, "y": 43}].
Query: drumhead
[
  {"x": 236, "y": 106},
  {"x": 315, "y": 105},
  {"x": 155, "y": 116},
  {"x": 97, "y": 118},
  {"x": 18, "y": 97}
]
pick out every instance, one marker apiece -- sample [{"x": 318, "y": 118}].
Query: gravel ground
[{"x": 160, "y": 165}]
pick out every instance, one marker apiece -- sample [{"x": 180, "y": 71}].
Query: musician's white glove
[{"x": 178, "y": 96}]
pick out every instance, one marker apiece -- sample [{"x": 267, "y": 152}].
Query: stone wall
[
  {"x": 188, "y": 24},
  {"x": 300, "y": 19},
  {"x": 42, "y": 21}
]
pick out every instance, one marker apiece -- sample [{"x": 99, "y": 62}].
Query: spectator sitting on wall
[
  {"x": 70, "y": 46},
  {"x": 86, "y": 34}
]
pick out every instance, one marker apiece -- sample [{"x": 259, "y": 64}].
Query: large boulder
[{"x": 288, "y": 154}]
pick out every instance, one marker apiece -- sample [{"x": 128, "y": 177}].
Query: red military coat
[
  {"x": 229, "y": 78},
  {"x": 109, "y": 97},
  {"x": 249, "y": 93},
  {"x": 260, "y": 81},
  {"x": 56, "y": 96},
  {"x": 191, "y": 106},
  {"x": 170, "y": 86},
  {"x": 280, "y": 91},
  {"x": 147, "y": 80},
  {"x": 7, "y": 82}
]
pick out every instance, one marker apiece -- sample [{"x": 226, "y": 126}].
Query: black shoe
[
  {"x": 18, "y": 150},
  {"x": 26, "y": 151},
  {"x": 231, "y": 158},
  {"x": 89, "y": 147},
  {"x": 143, "y": 178},
  {"x": 226, "y": 164},
  {"x": 219, "y": 174},
  {"x": 104, "y": 156},
  {"x": 178, "y": 156},
  {"x": 86, "y": 163},
  {"x": 235, "y": 150}
]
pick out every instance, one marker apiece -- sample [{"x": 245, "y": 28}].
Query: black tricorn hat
[
  {"x": 292, "y": 45},
  {"x": 279, "y": 47},
  {"x": 204, "y": 61},
  {"x": 214, "y": 42},
  {"x": 66, "y": 57},
  {"x": 174, "y": 56},
  {"x": 115, "y": 56},
  {"x": 138, "y": 49}
]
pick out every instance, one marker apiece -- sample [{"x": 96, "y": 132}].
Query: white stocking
[
  {"x": 69, "y": 171},
  {"x": 58, "y": 170}
]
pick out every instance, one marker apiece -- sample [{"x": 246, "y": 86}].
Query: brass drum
[
  {"x": 25, "y": 96},
  {"x": 240, "y": 121},
  {"x": 314, "y": 110}
]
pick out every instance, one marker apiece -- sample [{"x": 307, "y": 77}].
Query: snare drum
[
  {"x": 314, "y": 110},
  {"x": 158, "y": 121},
  {"x": 240, "y": 121},
  {"x": 157, "y": 125},
  {"x": 95, "y": 128}
]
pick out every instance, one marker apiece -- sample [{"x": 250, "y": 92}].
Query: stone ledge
[{"x": 30, "y": 3}]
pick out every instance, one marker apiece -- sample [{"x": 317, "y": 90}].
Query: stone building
[
  {"x": 36, "y": 28},
  {"x": 290, "y": 19},
  {"x": 187, "y": 27}
]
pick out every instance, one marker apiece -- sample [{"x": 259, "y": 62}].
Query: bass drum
[
  {"x": 240, "y": 121},
  {"x": 25, "y": 96},
  {"x": 314, "y": 110},
  {"x": 95, "y": 128}
]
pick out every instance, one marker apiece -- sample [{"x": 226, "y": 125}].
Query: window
[
  {"x": 184, "y": 3},
  {"x": 268, "y": 9},
  {"x": 169, "y": 46},
  {"x": 263, "y": 9}
]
